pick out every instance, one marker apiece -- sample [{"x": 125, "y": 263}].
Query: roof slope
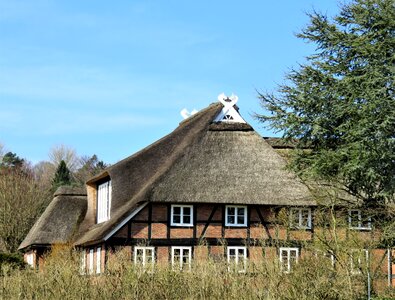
[
  {"x": 133, "y": 178},
  {"x": 232, "y": 165},
  {"x": 60, "y": 220}
]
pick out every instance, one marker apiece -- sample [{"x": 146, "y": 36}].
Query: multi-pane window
[
  {"x": 181, "y": 258},
  {"x": 237, "y": 259},
  {"x": 145, "y": 257},
  {"x": 235, "y": 215},
  {"x": 356, "y": 220},
  {"x": 103, "y": 201},
  {"x": 300, "y": 218},
  {"x": 288, "y": 257},
  {"x": 359, "y": 259},
  {"x": 182, "y": 215}
]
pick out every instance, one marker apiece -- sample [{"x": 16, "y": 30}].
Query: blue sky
[{"x": 109, "y": 78}]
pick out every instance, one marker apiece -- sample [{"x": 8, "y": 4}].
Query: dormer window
[{"x": 103, "y": 201}]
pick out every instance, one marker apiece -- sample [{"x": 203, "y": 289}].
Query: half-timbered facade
[{"x": 211, "y": 188}]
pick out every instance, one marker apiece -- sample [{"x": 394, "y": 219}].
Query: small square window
[
  {"x": 300, "y": 218},
  {"x": 356, "y": 220},
  {"x": 288, "y": 257},
  {"x": 181, "y": 258},
  {"x": 182, "y": 215},
  {"x": 236, "y": 215},
  {"x": 237, "y": 259}
]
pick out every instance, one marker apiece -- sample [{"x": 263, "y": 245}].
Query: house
[{"x": 213, "y": 180}]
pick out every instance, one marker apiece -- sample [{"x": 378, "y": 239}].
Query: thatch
[
  {"x": 231, "y": 167},
  {"x": 60, "y": 220},
  {"x": 132, "y": 179}
]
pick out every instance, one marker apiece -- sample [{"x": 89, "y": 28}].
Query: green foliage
[
  {"x": 341, "y": 103},
  {"x": 91, "y": 166},
  {"x": 11, "y": 160},
  {"x": 13, "y": 260},
  {"x": 62, "y": 175}
]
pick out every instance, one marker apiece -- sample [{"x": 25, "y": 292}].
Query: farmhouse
[{"x": 213, "y": 181}]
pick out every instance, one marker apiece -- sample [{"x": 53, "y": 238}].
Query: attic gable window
[
  {"x": 103, "y": 201},
  {"x": 300, "y": 218},
  {"x": 356, "y": 220},
  {"x": 182, "y": 215},
  {"x": 236, "y": 215}
]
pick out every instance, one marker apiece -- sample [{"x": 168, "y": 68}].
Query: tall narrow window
[
  {"x": 359, "y": 260},
  {"x": 181, "y": 258},
  {"x": 83, "y": 263},
  {"x": 103, "y": 201},
  {"x": 90, "y": 266},
  {"x": 288, "y": 257},
  {"x": 98, "y": 260},
  {"x": 30, "y": 259},
  {"x": 145, "y": 257},
  {"x": 237, "y": 259}
]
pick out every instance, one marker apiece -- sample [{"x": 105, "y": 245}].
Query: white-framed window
[
  {"x": 98, "y": 260},
  {"x": 103, "y": 201},
  {"x": 237, "y": 259},
  {"x": 300, "y": 218},
  {"x": 288, "y": 257},
  {"x": 91, "y": 261},
  {"x": 181, "y": 257},
  {"x": 83, "y": 263},
  {"x": 359, "y": 259},
  {"x": 356, "y": 220},
  {"x": 182, "y": 215},
  {"x": 236, "y": 215},
  {"x": 144, "y": 257},
  {"x": 30, "y": 259}
]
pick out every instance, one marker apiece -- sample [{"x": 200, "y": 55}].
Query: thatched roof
[
  {"x": 200, "y": 161},
  {"x": 60, "y": 220}
]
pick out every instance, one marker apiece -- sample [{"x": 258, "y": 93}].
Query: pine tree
[
  {"x": 341, "y": 102},
  {"x": 62, "y": 175}
]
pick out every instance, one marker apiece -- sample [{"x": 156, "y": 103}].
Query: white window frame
[
  {"x": 104, "y": 191},
  {"x": 181, "y": 223},
  {"x": 288, "y": 251},
  {"x": 180, "y": 263},
  {"x": 145, "y": 264},
  {"x": 360, "y": 220},
  {"x": 236, "y": 207},
  {"x": 98, "y": 260},
  {"x": 83, "y": 263},
  {"x": 30, "y": 259},
  {"x": 299, "y": 211},
  {"x": 237, "y": 259},
  {"x": 361, "y": 252},
  {"x": 91, "y": 261}
]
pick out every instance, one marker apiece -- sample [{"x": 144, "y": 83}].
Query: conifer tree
[
  {"x": 62, "y": 175},
  {"x": 341, "y": 102}
]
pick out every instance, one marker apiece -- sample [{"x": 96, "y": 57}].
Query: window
[
  {"x": 300, "y": 218},
  {"x": 182, "y": 215},
  {"x": 356, "y": 220},
  {"x": 144, "y": 257},
  {"x": 237, "y": 259},
  {"x": 236, "y": 215},
  {"x": 288, "y": 257},
  {"x": 90, "y": 266},
  {"x": 103, "y": 201},
  {"x": 83, "y": 263},
  {"x": 359, "y": 259},
  {"x": 181, "y": 257},
  {"x": 30, "y": 259},
  {"x": 98, "y": 260}
]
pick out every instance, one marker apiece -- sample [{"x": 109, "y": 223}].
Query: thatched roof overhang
[{"x": 60, "y": 220}]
